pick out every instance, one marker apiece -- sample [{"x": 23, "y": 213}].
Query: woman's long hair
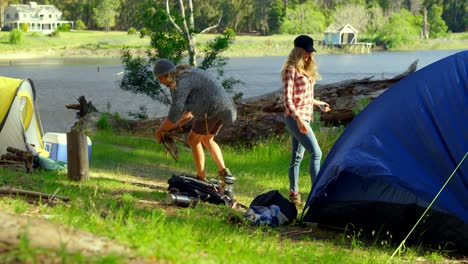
[
  {"x": 296, "y": 59},
  {"x": 172, "y": 76}
]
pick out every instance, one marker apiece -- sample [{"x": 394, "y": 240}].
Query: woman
[
  {"x": 299, "y": 74},
  {"x": 199, "y": 97}
]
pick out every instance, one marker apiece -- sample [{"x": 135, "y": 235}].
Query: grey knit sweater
[{"x": 200, "y": 93}]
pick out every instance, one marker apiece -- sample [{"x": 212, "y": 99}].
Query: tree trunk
[{"x": 77, "y": 155}]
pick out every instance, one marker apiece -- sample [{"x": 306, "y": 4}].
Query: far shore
[{"x": 97, "y": 44}]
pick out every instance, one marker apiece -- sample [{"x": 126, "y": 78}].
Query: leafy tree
[
  {"x": 402, "y": 28},
  {"x": 80, "y": 25},
  {"x": 276, "y": 16},
  {"x": 168, "y": 41},
  {"x": 105, "y": 13},
  {"x": 303, "y": 18},
  {"x": 437, "y": 26}
]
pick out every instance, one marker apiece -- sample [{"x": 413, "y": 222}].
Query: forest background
[{"x": 390, "y": 23}]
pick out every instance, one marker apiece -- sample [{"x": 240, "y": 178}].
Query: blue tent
[{"x": 395, "y": 156}]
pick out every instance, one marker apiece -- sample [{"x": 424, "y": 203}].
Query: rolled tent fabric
[{"x": 395, "y": 156}]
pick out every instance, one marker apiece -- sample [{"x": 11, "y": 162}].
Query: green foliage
[
  {"x": 105, "y": 13},
  {"x": 24, "y": 27},
  {"x": 132, "y": 31},
  {"x": 55, "y": 33},
  {"x": 80, "y": 25},
  {"x": 15, "y": 37},
  {"x": 360, "y": 105},
  {"x": 437, "y": 26},
  {"x": 64, "y": 28},
  {"x": 402, "y": 28},
  {"x": 139, "y": 78},
  {"x": 166, "y": 42},
  {"x": 213, "y": 58},
  {"x": 141, "y": 115},
  {"x": 103, "y": 123},
  {"x": 305, "y": 18},
  {"x": 276, "y": 16}
]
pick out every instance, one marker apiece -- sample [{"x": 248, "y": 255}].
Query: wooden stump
[{"x": 77, "y": 155}]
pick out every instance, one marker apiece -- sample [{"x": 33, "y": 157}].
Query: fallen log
[{"x": 263, "y": 116}]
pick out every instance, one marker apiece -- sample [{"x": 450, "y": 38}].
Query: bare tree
[
  {"x": 353, "y": 14},
  {"x": 187, "y": 29}
]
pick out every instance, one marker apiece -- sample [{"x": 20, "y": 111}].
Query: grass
[
  {"x": 122, "y": 201},
  {"x": 109, "y": 44}
]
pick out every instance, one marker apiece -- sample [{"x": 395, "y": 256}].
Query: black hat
[{"x": 305, "y": 42}]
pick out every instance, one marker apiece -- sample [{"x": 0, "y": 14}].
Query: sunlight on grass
[{"x": 123, "y": 198}]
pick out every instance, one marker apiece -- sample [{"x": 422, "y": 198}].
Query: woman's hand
[
  {"x": 301, "y": 125},
  {"x": 325, "y": 107}
]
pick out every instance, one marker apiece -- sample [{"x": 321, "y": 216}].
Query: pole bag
[{"x": 192, "y": 187}]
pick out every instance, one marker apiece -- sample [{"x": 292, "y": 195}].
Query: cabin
[
  {"x": 345, "y": 37},
  {"x": 39, "y": 18},
  {"x": 337, "y": 35}
]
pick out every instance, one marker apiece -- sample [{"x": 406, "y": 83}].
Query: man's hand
[
  {"x": 159, "y": 133},
  {"x": 165, "y": 126}
]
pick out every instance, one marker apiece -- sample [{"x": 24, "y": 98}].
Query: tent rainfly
[{"x": 394, "y": 158}]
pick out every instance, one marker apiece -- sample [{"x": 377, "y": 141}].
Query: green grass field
[
  {"x": 102, "y": 44},
  {"x": 122, "y": 201}
]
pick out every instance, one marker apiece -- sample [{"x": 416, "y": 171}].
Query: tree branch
[
  {"x": 168, "y": 12},
  {"x": 210, "y": 28},
  {"x": 184, "y": 20}
]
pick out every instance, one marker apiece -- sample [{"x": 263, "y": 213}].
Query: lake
[{"x": 60, "y": 82}]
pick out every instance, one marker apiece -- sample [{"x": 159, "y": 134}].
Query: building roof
[
  {"x": 35, "y": 8},
  {"x": 335, "y": 28}
]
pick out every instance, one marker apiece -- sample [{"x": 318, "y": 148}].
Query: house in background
[
  {"x": 345, "y": 37},
  {"x": 39, "y": 18},
  {"x": 337, "y": 35}
]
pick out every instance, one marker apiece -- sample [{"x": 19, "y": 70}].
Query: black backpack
[{"x": 192, "y": 187}]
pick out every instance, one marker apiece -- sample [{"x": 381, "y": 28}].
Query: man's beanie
[{"x": 163, "y": 67}]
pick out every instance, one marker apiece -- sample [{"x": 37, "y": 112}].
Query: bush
[
  {"x": 132, "y": 31},
  {"x": 103, "y": 123},
  {"x": 55, "y": 33},
  {"x": 16, "y": 36},
  {"x": 64, "y": 28},
  {"x": 24, "y": 27},
  {"x": 80, "y": 25}
]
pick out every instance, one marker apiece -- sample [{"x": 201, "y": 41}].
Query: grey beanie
[{"x": 163, "y": 67}]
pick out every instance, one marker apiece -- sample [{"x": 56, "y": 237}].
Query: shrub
[
  {"x": 16, "y": 36},
  {"x": 64, "y": 28},
  {"x": 103, "y": 123},
  {"x": 80, "y": 25},
  {"x": 24, "y": 27},
  {"x": 55, "y": 33},
  {"x": 132, "y": 31}
]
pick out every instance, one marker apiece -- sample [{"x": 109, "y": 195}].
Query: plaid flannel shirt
[{"x": 298, "y": 94}]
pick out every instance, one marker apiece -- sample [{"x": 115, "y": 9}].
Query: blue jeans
[{"x": 300, "y": 143}]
